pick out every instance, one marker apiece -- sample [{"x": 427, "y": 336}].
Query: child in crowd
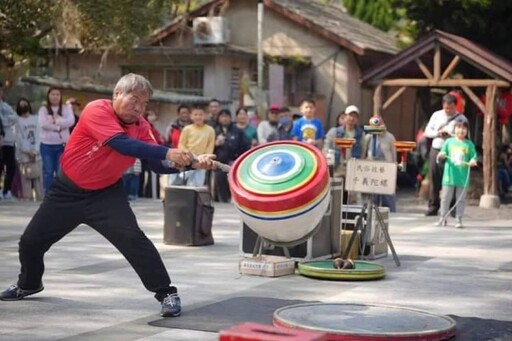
[
  {"x": 308, "y": 129},
  {"x": 197, "y": 138},
  {"x": 460, "y": 154},
  {"x": 27, "y": 151},
  {"x": 131, "y": 180}
]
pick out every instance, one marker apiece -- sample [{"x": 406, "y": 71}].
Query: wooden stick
[
  {"x": 450, "y": 67},
  {"x": 377, "y": 101},
  {"x": 489, "y": 147},
  {"x": 474, "y": 98},
  {"x": 437, "y": 62},
  {"x": 424, "y": 69},
  {"x": 445, "y": 82},
  {"x": 394, "y": 97}
]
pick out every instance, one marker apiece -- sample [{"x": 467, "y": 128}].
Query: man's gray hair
[{"x": 132, "y": 82}]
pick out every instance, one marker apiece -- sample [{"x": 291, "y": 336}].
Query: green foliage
[
  {"x": 22, "y": 23},
  {"x": 378, "y": 13},
  {"x": 115, "y": 24},
  {"x": 484, "y": 21},
  {"x": 96, "y": 25}
]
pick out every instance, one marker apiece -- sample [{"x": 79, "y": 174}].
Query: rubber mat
[{"x": 224, "y": 314}]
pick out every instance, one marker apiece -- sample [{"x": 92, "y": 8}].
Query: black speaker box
[{"x": 188, "y": 216}]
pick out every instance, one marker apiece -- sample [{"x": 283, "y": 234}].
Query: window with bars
[{"x": 184, "y": 79}]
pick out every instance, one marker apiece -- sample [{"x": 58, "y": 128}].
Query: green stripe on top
[{"x": 277, "y": 169}]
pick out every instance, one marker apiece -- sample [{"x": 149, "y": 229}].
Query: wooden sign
[{"x": 365, "y": 176}]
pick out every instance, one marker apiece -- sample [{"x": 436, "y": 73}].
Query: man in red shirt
[{"x": 110, "y": 135}]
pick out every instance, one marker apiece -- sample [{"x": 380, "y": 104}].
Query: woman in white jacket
[
  {"x": 27, "y": 151},
  {"x": 55, "y": 119}
]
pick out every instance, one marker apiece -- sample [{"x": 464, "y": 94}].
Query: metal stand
[
  {"x": 367, "y": 209},
  {"x": 259, "y": 246}
]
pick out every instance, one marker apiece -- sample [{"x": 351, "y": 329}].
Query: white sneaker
[
  {"x": 458, "y": 224},
  {"x": 441, "y": 222},
  {"x": 8, "y": 196}
]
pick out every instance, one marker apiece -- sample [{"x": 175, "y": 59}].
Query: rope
[{"x": 462, "y": 194}]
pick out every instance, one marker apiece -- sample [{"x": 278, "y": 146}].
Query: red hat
[{"x": 275, "y": 107}]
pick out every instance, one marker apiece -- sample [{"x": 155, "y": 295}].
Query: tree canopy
[
  {"x": 94, "y": 25},
  {"x": 484, "y": 21},
  {"x": 378, "y": 13}
]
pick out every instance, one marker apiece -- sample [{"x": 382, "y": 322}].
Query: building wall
[
  {"x": 282, "y": 37},
  {"x": 217, "y": 77},
  {"x": 336, "y": 72},
  {"x": 86, "y": 67},
  {"x": 218, "y": 69},
  {"x": 89, "y": 66}
]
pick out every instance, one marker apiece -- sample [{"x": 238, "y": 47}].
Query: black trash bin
[{"x": 188, "y": 216}]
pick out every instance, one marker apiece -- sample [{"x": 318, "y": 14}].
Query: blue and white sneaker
[
  {"x": 171, "y": 306},
  {"x": 8, "y": 196},
  {"x": 15, "y": 293}
]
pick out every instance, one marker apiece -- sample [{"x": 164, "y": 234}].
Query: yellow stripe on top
[{"x": 291, "y": 210}]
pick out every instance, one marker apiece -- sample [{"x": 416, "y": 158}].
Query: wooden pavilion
[{"x": 445, "y": 60}]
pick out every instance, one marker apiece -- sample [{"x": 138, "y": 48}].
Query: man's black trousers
[
  {"x": 108, "y": 212},
  {"x": 435, "y": 171}
]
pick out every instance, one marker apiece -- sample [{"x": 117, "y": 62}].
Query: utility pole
[{"x": 260, "y": 96}]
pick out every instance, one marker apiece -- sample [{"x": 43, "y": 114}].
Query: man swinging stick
[{"x": 110, "y": 135}]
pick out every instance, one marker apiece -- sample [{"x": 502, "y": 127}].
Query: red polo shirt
[{"x": 87, "y": 160}]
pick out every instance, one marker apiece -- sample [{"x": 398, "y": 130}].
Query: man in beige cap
[{"x": 349, "y": 129}]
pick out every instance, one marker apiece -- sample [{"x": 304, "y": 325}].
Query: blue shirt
[{"x": 305, "y": 129}]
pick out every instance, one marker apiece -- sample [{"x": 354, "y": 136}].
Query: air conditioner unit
[{"x": 210, "y": 30}]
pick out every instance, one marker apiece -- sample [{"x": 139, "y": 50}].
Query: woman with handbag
[{"x": 27, "y": 151}]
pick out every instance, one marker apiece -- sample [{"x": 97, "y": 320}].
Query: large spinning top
[{"x": 281, "y": 190}]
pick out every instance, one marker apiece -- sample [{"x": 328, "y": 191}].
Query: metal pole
[{"x": 260, "y": 47}]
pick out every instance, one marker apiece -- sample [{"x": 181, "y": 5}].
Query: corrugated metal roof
[{"x": 158, "y": 95}]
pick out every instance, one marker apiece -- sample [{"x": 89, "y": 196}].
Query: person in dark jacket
[
  {"x": 172, "y": 136},
  {"x": 284, "y": 128},
  {"x": 230, "y": 143}
]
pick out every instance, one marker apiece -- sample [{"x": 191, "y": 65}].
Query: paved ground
[{"x": 93, "y": 294}]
